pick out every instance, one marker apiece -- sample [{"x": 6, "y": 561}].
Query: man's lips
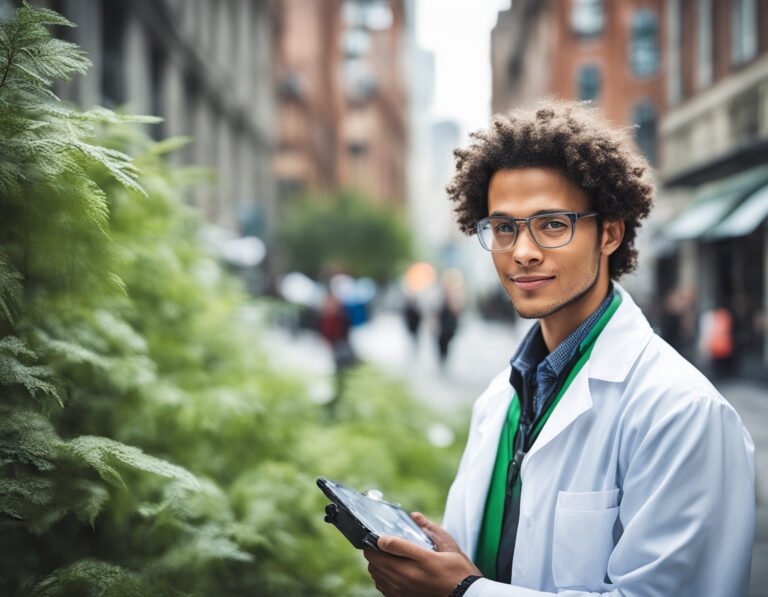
[{"x": 531, "y": 282}]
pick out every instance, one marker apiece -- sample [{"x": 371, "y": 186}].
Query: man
[{"x": 600, "y": 462}]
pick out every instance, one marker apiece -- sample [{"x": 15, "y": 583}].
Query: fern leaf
[
  {"x": 102, "y": 115},
  {"x": 10, "y": 288},
  {"x": 94, "y": 500},
  {"x": 105, "y": 455},
  {"x": 93, "y": 577},
  {"x": 42, "y": 16},
  {"x": 13, "y": 371},
  {"x": 69, "y": 352},
  {"x": 27, "y": 437},
  {"x": 29, "y": 60},
  {"x": 16, "y": 347},
  {"x": 117, "y": 163},
  {"x": 16, "y": 493}
]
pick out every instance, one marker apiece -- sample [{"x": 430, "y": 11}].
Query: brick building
[
  {"x": 607, "y": 52},
  {"x": 342, "y": 97}
]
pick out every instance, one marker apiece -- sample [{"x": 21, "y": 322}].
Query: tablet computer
[{"x": 362, "y": 519}]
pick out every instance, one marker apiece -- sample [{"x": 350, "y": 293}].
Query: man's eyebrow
[{"x": 541, "y": 212}]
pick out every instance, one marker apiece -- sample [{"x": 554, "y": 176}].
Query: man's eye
[
  {"x": 504, "y": 228},
  {"x": 554, "y": 225}
]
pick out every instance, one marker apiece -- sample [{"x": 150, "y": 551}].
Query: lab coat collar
[{"x": 621, "y": 342}]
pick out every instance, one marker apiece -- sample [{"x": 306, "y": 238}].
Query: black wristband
[{"x": 462, "y": 587}]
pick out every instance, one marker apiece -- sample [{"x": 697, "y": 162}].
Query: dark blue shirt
[{"x": 542, "y": 372}]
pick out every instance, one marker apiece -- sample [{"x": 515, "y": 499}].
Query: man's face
[{"x": 543, "y": 282}]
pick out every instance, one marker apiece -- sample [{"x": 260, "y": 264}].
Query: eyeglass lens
[{"x": 548, "y": 230}]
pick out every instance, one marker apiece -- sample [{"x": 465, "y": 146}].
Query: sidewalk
[{"x": 751, "y": 402}]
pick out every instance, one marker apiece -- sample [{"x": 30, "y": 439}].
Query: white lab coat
[{"x": 640, "y": 484}]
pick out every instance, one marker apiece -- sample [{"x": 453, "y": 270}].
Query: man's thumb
[{"x": 398, "y": 547}]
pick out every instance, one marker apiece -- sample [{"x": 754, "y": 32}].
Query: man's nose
[{"x": 526, "y": 251}]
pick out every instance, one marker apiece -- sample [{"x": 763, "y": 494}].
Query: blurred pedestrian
[
  {"x": 600, "y": 462},
  {"x": 447, "y": 322},
  {"x": 334, "y": 328},
  {"x": 716, "y": 341},
  {"x": 412, "y": 318}
]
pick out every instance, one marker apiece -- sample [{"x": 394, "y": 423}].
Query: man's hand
[{"x": 403, "y": 568}]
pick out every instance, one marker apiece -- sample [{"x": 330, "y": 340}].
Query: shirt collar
[{"x": 532, "y": 352}]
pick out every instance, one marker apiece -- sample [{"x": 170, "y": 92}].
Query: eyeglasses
[{"x": 549, "y": 231}]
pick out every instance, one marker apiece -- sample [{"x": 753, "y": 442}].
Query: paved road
[{"x": 479, "y": 351}]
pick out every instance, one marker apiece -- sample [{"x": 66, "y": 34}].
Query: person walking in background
[
  {"x": 447, "y": 322},
  {"x": 334, "y": 328},
  {"x": 412, "y": 319},
  {"x": 716, "y": 341},
  {"x": 600, "y": 462}
]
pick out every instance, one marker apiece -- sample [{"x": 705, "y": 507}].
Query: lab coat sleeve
[{"x": 687, "y": 510}]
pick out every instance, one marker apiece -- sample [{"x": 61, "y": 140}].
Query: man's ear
[{"x": 613, "y": 234}]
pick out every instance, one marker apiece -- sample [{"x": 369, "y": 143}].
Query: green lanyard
[{"x": 490, "y": 532}]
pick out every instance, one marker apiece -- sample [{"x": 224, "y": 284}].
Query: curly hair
[{"x": 573, "y": 138}]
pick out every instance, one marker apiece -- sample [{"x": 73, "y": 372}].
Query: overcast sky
[{"x": 459, "y": 34}]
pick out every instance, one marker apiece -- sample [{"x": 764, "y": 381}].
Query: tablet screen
[{"x": 381, "y": 517}]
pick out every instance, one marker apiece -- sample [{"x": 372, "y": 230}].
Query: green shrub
[{"x": 148, "y": 445}]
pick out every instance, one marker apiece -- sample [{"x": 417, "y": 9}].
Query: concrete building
[
  {"x": 343, "y": 97},
  {"x": 715, "y": 166},
  {"x": 205, "y": 67}
]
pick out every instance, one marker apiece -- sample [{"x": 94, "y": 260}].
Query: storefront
[{"x": 718, "y": 262}]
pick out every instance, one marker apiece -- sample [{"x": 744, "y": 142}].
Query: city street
[{"x": 479, "y": 351}]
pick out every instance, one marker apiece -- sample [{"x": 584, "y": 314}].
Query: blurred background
[{"x": 322, "y": 134}]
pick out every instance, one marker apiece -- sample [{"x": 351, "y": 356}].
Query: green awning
[
  {"x": 746, "y": 217},
  {"x": 713, "y": 203}
]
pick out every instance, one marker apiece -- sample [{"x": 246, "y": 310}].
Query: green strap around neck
[{"x": 488, "y": 542}]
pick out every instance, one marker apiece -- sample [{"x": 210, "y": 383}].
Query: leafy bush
[{"x": 148, "y": 445}]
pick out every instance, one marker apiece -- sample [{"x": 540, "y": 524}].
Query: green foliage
[
  {"x": 148, "y": 446},
  {"x": 343, "y": 232}
]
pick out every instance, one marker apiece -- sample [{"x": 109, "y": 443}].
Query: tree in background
[
  {"x": 345, "y": 232},
  {"x": 147, "y": 444}
]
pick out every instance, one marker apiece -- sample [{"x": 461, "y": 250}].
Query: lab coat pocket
[{"x": 583, "y": 538}]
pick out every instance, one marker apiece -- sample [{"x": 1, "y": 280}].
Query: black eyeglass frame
[{"x": 574, "y": 216}]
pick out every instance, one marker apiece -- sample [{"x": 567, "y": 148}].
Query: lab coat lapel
[
  {"x": 573, "y": 404},
  {"x": 482, "y": 460}
]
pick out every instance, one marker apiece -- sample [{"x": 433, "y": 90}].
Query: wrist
[{"x": 463, "y": 585}]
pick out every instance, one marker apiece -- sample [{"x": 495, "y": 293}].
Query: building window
[
  {"x": 704, "y": 44},
  {"x": 357, "y": 148},
  {"x": 674, "y": 37},
  {"x": 644, "y": 43},
  {"x": 743, "y": 31},
  {"x": 646, "y": 134},
  {"x": 588, "y": 83},
  {"x": 587, "y": 18}
]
